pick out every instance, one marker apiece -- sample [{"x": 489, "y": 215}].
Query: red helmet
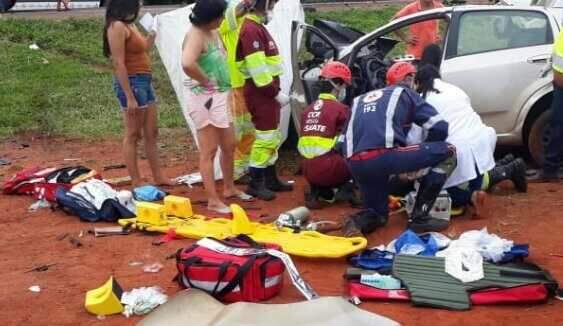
[
  {"x": 335, "y": 69},
  {"x": 398, "y": 71}
]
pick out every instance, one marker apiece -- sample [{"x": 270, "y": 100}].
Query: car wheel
[
  {"x": 537, "y": 138},
  {"x": 6, "y": 5}
]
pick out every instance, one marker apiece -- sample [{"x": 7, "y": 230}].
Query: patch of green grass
[
  {"x": 362, "y": 20},
  {"x": 65, "y": 88}
]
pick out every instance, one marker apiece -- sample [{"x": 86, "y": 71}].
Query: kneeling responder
[
  {"x": 321, "y": 124},
  {"x": 375, "y": 148},
  {"x": 259, "y": 62}
]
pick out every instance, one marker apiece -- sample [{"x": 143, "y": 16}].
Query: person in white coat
[{"x": 474, "y": 141}]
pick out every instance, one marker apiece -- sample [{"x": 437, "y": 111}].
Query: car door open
[{"x": 310, "y": 49}]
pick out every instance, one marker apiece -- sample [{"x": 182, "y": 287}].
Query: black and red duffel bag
[{"x": 231, "y": 278}]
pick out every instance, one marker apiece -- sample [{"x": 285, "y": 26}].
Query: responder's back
[{"x": 383, "y": 118}]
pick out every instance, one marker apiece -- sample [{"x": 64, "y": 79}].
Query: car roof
[{"x": 344, "y": 51}]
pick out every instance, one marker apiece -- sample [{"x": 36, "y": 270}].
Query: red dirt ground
[{"x": 30, "y": 239}]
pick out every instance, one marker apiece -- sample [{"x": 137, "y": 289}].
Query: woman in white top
[{"x": 474, "y": 141}]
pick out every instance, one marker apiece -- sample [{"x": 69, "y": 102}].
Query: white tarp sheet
[{"x": 172, "y": 27}]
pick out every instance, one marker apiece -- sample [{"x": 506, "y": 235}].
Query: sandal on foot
[
  {"x": 241, "y": 196},
  {"x": 224, "y": 210}
]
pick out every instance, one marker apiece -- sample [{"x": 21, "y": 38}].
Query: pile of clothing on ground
[
  {"x": 77, "y": 190},
  {"x": 434, "y": 270}
]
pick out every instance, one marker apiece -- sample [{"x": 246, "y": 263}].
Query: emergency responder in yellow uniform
[{"x": 259, "y": 61}]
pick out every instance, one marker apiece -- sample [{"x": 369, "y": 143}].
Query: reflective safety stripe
[
  {"x": 260, "y": 68},
  {"x": 557, "y": 63},
  {"x": 231, "y": 17},
  {"x": 557, "y": 58},
  {"x": 313, "y": 146},
  {"x": 275, "y": 65},
  {"x": 327, "y": 96},
  {"x": 265, "y": 148},
  {"x": 229, "y": 31},
  {"x": 350, "y": 131},
  {"x": 255, "y": 18},
  {"x": 389, "y": 115},
  {"x": 431, "y": 122}
]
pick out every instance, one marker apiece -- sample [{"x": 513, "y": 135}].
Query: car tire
[
  {"x": 537, "y": 137},
  {"x": 6, "y": 5}
]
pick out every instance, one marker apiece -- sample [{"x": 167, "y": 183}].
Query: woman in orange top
[{"x": 132, "y": 82}]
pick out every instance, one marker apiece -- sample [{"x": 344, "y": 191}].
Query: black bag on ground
[{"x": 77, "y": 205}]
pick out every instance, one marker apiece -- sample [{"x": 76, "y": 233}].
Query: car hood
[{"x": 339, "y": 34}]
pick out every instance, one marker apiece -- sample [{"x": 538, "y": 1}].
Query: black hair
[
  {"x": 261, "y": 5},
  {"x": 432, "y": 54},
  {"x": 125, "y": 11},
  {"x": 207, "y": 11},
  {"x": 326, "y": 87},
  {"x": 425, "y": 79}
]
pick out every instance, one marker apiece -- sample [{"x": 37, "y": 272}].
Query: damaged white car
[{"x": 499, "y": 55}]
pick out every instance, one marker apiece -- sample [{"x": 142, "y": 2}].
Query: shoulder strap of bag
[{"x": 237, "y": 280}]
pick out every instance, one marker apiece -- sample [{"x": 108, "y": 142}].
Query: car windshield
[{"x": 548, "y": 3}]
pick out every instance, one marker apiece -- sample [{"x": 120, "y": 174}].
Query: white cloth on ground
[
  {"x": 461, "y": 256},
  {"x": 97, "y": 192},
  {"x": 143, "y": 300}
]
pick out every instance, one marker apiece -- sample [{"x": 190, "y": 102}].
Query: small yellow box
[
  {"x": 150, "y": 213},
  {"x": 105, "y": 300},
  {"x": 178, "y": 206}
]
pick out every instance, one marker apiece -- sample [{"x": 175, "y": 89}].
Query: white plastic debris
[
  {"x": 135, "y": 263},
  {"x": 35, "y": 288},
  {"x": 41, "y": 203},
  {"x": 464, "y": 257},
  {"x": 34, "y": 46},
  {"x": 465, "y": 264},
  {"x": 143, "y": 300},
  {"x": 490, "y": 246},
  {"x": 101, "y": 317},
  {"x": 153, "y": 268}
]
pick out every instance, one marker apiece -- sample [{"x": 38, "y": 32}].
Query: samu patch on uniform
[
  {"x": 373, "y": 96},
  {"x": 256, "y": 44}
]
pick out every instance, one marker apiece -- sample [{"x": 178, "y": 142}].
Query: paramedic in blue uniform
[{"x": 375, "y": 149}]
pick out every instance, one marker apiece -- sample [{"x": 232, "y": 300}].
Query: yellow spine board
[{"x": 305, "y": 243}]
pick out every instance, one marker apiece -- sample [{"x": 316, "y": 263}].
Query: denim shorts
[{"x": 141, "y": 85}]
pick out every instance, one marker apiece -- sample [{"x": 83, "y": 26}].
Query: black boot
[
  {"x": 243, "y": 180},
  {"x": 346, "y": 192},
  {"x": 506, "y": 159},
  {"x": 273, "y": 182},
  {"x": 363, "y": 222},
  {"x": 312, "y": 199},
  {"x": 420, "y": 220},
  {"x": 257, "y": 187},
  {"x": 514, "y": 171}
]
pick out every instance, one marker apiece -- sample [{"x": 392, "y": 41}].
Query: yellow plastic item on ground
[
  {"x": 150, "y": 213},
  {"x": 105, "y": 300},
  {"x": 178, "y": 206},
  {"x": 305, "y": 243}
]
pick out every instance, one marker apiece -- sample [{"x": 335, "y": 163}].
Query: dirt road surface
[{"x": 32, "y": 239}]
